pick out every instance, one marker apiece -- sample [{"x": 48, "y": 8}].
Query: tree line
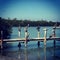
[{"x": 15, "y": 22}]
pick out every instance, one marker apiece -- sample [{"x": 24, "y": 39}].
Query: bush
[{"x": 5, "y": 28}]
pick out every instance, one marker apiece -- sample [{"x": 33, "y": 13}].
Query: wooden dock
[
  {"x": 27, "y": 39},
  {"x": 30, "y": 39},
  {"x": 56, "y": 27}
]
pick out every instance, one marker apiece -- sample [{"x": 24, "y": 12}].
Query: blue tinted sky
[{"x": 30, "y": 9}]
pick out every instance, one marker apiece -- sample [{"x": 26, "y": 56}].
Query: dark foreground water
[
  {"x": 32, "y": 51},
  {"x": 26, "y": 53}
]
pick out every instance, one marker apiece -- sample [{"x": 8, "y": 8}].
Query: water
[{"x": 32, "y": 51}]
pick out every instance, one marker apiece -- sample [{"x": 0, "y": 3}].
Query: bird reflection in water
[{"x": 38, "y": 53}]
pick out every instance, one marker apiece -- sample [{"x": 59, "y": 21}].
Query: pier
[{"x": 26, "y": 39}]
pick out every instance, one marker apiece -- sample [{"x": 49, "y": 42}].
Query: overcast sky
[{"x": 30, "y": 9}]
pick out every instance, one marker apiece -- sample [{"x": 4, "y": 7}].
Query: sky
[{"x": 30, "y": 9}]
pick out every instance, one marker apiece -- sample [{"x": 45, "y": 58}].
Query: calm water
[{"x": 32, "y": 51}]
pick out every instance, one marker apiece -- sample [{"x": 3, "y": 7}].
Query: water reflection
[
  {"x": 44, "y": 52},
  {"x": 19, "y": 56},
  {"x": 26, "y": 53},
  {"x": 39, "y": 53},
  {"x": 23, "y": 54},
  {"x": 54, "y": 53}
]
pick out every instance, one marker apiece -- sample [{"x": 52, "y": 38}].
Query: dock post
[
  {"x": 19, "y": 34},
  {"x": 19, "y": 31},
  {"x": 38, "y": 34},
  {"x": 26, "y": 35},
  {"x": 54, "y": 35},
  {"x": 1, "y": 39},
  {"x": 38, "y": 29},
  {"x": 45, "y": 35}
]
